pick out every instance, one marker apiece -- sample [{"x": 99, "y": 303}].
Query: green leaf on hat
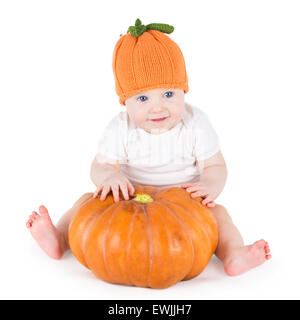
[{"x": 138, "y": 29}]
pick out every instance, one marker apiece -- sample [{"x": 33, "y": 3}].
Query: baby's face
[{"x": 147, "y": 106}]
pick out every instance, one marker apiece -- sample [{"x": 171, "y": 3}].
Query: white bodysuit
[{"x": 160, "y": 160}]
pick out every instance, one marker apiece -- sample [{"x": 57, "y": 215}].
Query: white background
[{"x": 57, "y": 94}]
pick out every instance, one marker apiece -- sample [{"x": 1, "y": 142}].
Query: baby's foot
[
  {"x": 245, "y": 258},
  {"x": 45, "y": 233}
]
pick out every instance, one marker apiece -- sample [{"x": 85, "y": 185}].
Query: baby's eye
[
  {"x": 169, "y": 94},
  {"x": 142, "y": 98}
]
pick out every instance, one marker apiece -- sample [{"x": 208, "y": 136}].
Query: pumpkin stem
[
  {"x": 143, "y": 198},
  {"x": 138, "y": 29}
]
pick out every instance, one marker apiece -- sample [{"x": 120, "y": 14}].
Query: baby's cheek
[{"x": 140, "y": 121}]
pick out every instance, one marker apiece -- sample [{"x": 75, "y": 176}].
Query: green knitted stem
[
  {"x": 138, "y": 29},
  {"x": 165, "y": 28}
]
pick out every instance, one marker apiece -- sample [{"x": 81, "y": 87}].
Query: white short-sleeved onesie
[{"x": 161, "y": 160}]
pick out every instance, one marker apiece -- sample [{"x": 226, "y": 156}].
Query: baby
[{"x": 160, "y": 140}]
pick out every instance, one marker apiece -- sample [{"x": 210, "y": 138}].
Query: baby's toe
[
  {"x": 260, "y": 244},
  {"x": 29, "y": 223},
  {"x": 31, "y": 219},
  {"x": 43, "y": 210},
  {"x": 33, "y": 216},
  {"x": 267, "y": 249}
]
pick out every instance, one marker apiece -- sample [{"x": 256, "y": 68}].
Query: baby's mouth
[{"x": 159, "y": 119}]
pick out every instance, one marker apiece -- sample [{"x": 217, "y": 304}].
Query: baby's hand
[
  {"x": 201, "y": 191},
  {"x": 113, "y": 183}
]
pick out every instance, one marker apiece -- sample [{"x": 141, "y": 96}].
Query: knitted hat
[{"x": 145, "y": 58}]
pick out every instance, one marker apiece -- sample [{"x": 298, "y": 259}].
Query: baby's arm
[
  {"x": 102, "y": 168},
  {"x": 213, "y": 174},
  {"x": 105, "y": 174}
]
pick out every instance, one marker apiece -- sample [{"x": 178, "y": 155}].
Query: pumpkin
[{"x": 154, "y": 239}]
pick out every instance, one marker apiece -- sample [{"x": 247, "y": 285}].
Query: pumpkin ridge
[
  {"x": 88, "y": 200},
  {"x": 189, "y": 214},
  {"x": 150, "y": 243},
  {"x": 209, "y": 229},
  {"x": 105, "y": 238},
  {"x": 199, "y": 228},
  {"x": 129, "y": 244},
  {"x": 78, "y": 207},
  {"x": 196, "y": 218},
  {"x": 184, "y": 226},
  {"x": 88, "y": 227},
  {"x": 75, "y": 226},
  {"x": 161, "y": 219}
]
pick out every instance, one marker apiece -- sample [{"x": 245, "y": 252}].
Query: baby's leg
[
  {"x": 236, "y": 257},
  {"x": 53, "y": 240}
]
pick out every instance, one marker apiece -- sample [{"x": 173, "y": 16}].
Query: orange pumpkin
[{"x": 154, "y": 239}]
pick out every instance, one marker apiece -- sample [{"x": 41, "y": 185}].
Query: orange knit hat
[{"x": 145, "y": 58}]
